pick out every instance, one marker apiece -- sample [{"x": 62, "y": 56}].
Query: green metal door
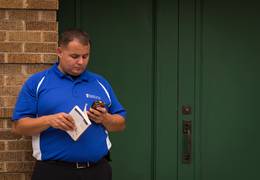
[
  {"x": 228, "y": 90},
  {"x": 218, "y": 77},
  {"x": 175, "y": 65}
]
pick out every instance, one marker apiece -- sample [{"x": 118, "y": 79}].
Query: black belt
[{"x": 76, "y": 165}]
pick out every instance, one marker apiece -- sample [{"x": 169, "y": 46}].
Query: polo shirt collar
[{"x": 85, "y": 76}]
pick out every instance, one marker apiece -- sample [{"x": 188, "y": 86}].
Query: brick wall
[{"x": 28, "y": 40}]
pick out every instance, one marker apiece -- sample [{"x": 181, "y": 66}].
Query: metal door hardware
[
  {"x": 187, "y": 142},
  {"x": 186, "y": 109}
]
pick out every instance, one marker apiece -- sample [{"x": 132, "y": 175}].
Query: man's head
[{"x": 73, "y": 51}]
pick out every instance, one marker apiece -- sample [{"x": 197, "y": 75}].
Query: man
[{"x": 42, "y": 111}]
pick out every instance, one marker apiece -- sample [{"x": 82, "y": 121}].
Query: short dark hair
[{"x": 72, "y": 34}]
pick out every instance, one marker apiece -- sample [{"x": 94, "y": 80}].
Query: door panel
[
  {"x": 229, "y": 90},
  {"x": 166, "y": 126}
]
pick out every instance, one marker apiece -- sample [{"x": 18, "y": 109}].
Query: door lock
[{"x": 186, "y": 109}]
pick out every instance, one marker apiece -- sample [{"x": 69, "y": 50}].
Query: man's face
[{"x": 74, "y": 58}]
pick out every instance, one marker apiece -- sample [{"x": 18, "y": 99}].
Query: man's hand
[
  {"x": 98, "y": 115},
  {"x": 112, "y": 122},
  {"x": 61, "y": 121}
]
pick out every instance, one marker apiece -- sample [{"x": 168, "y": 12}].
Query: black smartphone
[{"x": 98, "y": 104}]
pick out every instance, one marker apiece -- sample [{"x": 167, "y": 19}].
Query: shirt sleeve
[
  {"x": 115, "y": 107},
  {"x": 26, "y": 104}
]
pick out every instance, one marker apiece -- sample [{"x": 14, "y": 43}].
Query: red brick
[
  {"x": 4, "y": 122},
  {"x": 6, "y": 112},
  {"x": 11, "y": 3},
  {"x": 2, "y": 101},
  {"x": 10, "y": 90},
  {"x": 2, "y": 145},
  {"x": 11, "y": 69},
  {"x": 10, "y": 101},
  {"x": 15, "y": 80},
  {"x": 2, "y": 14},
  {"x": 2, "y": 167},
  {"x": 10, "y": 47},
  {"x": 19, "y": 145},
  {"x": 32, "y": 68},
  {"x": 8, "y": 123},
  {"x": 50, "y": 58},
  {"x": 11, "y": 176},
  {"x": 11, "y": 156},
  {"x": 28, "y": 156},
  {"x": 11, "y": 25},
  {"x": 1, "y": 123},
  {"x": 7, "y": 101},
  {"x": 19, "y": 166},
  {"x": 28, "y": 176},
  {"x": 2, "y": 58},
  {"x": 41, "y": 26},
  {"x": 24, "y": 58},
  {"x": 27, "y": 138},
  {"x": 8, "y": 135},
  {"x": 2, "y": 36},
  {"x": 48, "y": 15},
  {"x": 2, "y": 80},
  {"x": 25, "y": 15},
  {"x": 24, "y": 36},
  {"x": 50, "y": 37},
  {"x": 40, "y": 47},
  {"x": 43, "y": 4}
]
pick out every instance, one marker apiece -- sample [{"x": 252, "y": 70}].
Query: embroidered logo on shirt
[{"x": 91, "y": 96}]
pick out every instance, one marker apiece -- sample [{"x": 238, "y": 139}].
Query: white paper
[{"x": 81, "y": 121}]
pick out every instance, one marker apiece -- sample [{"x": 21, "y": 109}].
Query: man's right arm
[{"x": 34, "y": 126}]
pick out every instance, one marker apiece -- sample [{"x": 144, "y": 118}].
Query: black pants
[{"x": 50, "y": 171}]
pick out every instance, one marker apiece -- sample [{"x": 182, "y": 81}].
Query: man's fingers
[
  {"x": 95, "y": 115},
  {"x": 63, "y": 121},
  {"x": 69, "y": 120},
  {"x": 69, "y": 125},
  {"x": 92, "y": 113},
  {"x": 95, "y": 112},
  {"x": 67, "y": 116},
  {"x": 101, "y": 109},
  {"x": 64, "y": 126}
]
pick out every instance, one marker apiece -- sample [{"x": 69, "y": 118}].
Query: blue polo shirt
[{"x": 50, "y": 92}]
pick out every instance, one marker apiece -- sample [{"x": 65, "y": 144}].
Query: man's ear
[{"x": 59, "y": 52}]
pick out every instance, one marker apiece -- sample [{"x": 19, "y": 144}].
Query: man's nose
[{"x": 81, "y": 60}]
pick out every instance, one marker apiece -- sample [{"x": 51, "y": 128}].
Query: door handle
[{"x": 187, "y": 142}]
